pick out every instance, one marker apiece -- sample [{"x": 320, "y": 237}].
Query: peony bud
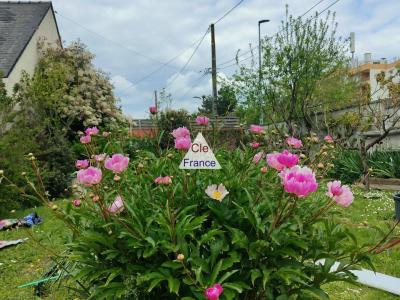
[
  {"x": 1, "y": 172},
  {"x": 117, "y": 178},
  {"x": 302, "y": 155},
  {"x": 321, "y": 166},
  {"x": 170, "y": 155},
  {"x": 180, "y": 257},
  {"x": 140, "y": 165},
  {"x": 264, "y": 169},
  {"x": 23, "y": 174},
  {"x": 54, "y": 207}
]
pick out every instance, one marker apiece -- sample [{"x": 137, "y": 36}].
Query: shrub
[
  {"x": 348, "y": 165},
  {"x": 145, "y": 229},
  {"x": 65, "y": 94},
  {"x": 168, "y": 120}
]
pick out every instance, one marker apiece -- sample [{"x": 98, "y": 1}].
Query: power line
[
  {"x": 190, "y": 58},
  {"x": 237, "y": 56},
  {"x": 315, "y": 5},
  {"x": 228, "y": 12},
  {"x": 332, "y": 4},
  {"x": 318, "y": 13},
  {"x": 165, "y": 64},
  {"x": 201, "y": 40},
  {"x": 201, "y": 78},
  {"x": 236, "y": 63},
  {"x": 112, "y": 41}
]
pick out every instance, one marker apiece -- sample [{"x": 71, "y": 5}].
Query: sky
[{"x": 133, "y": 38}]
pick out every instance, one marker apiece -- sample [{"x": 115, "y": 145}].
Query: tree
[
  {"x": 295, "y": 60},
  {"x": 65, "y": 94},
  {"x": 226, "y": 101},
  {"x": 379, "y": 110}
]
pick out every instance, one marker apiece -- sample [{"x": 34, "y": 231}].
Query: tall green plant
[{"x": 300, "y": 57}]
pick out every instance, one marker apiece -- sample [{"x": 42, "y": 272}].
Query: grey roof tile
[{"x": 18, "y": 22}]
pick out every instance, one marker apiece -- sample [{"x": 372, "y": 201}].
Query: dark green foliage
[
  {"x": 169, "y": 120},
  {"x": 225, "y": 104},
  {"x": 240, "y": 242},
  {"x": 348, "y": 165},
  {"x": 65, "y": 93}
]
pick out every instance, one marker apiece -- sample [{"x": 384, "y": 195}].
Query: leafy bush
[
  {"x": 168, "y": 120},
  {"x": 64, "y": 94},
  {"x": 149, "y": 230},
  {"x": 348, "y": 165}
]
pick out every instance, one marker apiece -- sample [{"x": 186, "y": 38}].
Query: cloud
[{"x": 131, "y": 38}]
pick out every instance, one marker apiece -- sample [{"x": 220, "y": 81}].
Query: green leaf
[
  {"x": 227, "y": 275},
  {"x": 173, "y": 285},
  {"x": 254, "y": 274}
]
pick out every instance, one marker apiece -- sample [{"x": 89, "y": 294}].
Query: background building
[{"x": 22, "y": 25}]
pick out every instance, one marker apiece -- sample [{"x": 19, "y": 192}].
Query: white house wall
[{"x": 29, "y": 58}]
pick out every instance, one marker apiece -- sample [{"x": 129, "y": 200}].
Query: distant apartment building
[
  {"x": 22, "y": 25},
  {"x": 367, "y": 72},
  {"x": 370, "y": 68}
]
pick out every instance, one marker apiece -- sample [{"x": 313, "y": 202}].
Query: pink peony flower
[
  {"x": 256, "y": 129},
  {"x": 287, "y": 159},
  {"x": 117, "y": 163},
  {"x": 76, "y": 202},
  {"x": 340, "y": 193},
  {"x": 117, "y": 206},
  {"x": 299, "y": 181},
  {"x": 181, "y": 132},
  {"x": 258, "y": 156},
  {"x": 213, "y": 293},
  {"x": 82, "y": 164},
  {"x": 100, "y": 157},
  {"x": 279, "y": 161},
  {"x": 183, "y": 143},
  {"x": 254, "y": 145},
  {"x": 153, "y": 110},
  {"x": 89, "y": 176},
  {"x": 293, "y": 142},
  {"x": 163, "y": 180},
  {"x": 92, "y": 131},
  {"x": 328, "y": 139},
  {"x": 85, "y": 139},
  {"x": 202, "y": 120},
  {"x": 272, "y": 160}
]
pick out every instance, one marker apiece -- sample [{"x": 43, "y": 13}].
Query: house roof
[{"x": 18, "y": 23}]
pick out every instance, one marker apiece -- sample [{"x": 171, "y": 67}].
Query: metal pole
[
  {"x": 213, "y": 71},
  {"x": 259, "y": 75},
  {"x": 259, "y": 72}
]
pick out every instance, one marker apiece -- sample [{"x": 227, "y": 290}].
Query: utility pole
[
  {"x": 260, "y": 72},
  {"x": 213, "y": 71},
  {"x": 155, "y": 100}
]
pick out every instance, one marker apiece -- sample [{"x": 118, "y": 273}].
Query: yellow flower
[{"x": 216, "y": 192}]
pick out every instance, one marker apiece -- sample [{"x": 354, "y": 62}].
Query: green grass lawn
[{"x": 29, "y": 261}]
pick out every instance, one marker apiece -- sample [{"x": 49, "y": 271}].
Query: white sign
[{"x": 200, "y": 156}]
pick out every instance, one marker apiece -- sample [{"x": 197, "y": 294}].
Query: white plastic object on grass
[{"x": 376, "y": 280}]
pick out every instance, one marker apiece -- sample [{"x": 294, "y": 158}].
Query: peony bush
[{"x": 262, "y": 227}]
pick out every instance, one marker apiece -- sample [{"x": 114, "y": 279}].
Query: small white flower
[{"x": 216, "y": 192}]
